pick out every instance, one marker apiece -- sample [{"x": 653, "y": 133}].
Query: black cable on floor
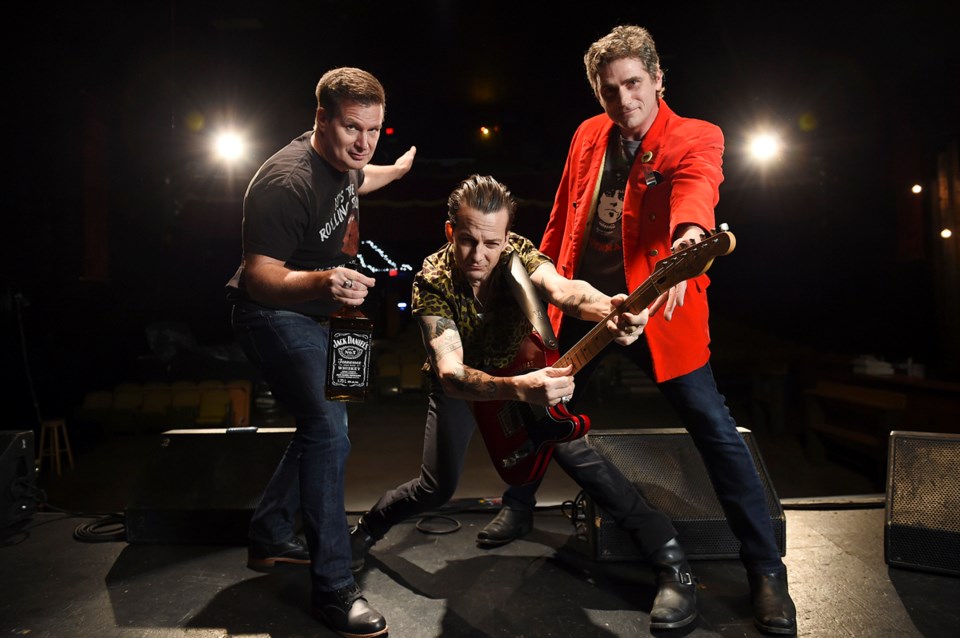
[
  {"x": 106, "y": 527},
  {"x": 423, "y": 524}
]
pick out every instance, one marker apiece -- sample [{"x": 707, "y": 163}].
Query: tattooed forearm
[
  {"x": 572, "y": 305},
  {"x": 473, "y": 382},
  {"x": 440, "y": 337}
]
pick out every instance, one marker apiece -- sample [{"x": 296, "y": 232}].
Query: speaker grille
[
  {"x": 923, "y": 502},
  {"x": 667, "y": 468}
]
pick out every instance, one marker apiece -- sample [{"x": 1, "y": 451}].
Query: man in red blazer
[{"x": 639, "y": 182}]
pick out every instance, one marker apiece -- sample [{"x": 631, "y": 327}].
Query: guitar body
[{"x": 519, "y": 437}]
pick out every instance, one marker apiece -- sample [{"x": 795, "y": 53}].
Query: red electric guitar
[{"x": 520, "y": 436}]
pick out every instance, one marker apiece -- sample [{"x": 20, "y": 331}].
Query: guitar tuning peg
[{"x": 724, "y": 227}]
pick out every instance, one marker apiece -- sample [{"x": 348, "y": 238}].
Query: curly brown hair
[{"x": 624, "y": 41}]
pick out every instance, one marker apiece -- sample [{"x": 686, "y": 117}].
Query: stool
[{"x": 55, "y": 428}]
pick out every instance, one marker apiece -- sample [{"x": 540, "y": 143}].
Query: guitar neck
[
  {"x": 599, "y": 337},
  {"x": 685, "y": 264}
]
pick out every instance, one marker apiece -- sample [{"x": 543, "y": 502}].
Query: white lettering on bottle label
[{"x": 351, "y": 359}]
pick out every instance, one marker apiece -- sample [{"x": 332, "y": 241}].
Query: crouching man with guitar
[{"x": 473, "y": 321}]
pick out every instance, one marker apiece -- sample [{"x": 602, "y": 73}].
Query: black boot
[
  {"x": 773, "y": 609},
  {"x": 508, "y": 525},
  {"x": 676, "y": 602},
  {"x": 346, "y": 612},
  {"x": 360, "y": 543}
]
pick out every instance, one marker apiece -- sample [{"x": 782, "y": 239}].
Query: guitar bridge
[{"x": 520, "y": 453}]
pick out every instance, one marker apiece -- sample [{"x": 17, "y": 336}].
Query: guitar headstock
[{"x": 693, "y": 260}]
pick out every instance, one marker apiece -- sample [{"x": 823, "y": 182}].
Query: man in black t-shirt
[{"x": 300, "y": 225}]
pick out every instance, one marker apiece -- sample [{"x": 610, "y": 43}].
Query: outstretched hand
[
  {"x": 405, "y": 162},
  {"x": 673, "y": 298}
]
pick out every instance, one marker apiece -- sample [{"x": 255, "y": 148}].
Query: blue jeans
[
  {"x": 290, "y": 349},
  {"x": 704, "y": 413}
]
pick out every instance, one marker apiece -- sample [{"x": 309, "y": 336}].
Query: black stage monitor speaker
[
  {"x": 17, "y": 478},
  {"x": 923, "y": 502},
  {"x": 667, "y": 468},
  {"x": 202, "y": 486}
]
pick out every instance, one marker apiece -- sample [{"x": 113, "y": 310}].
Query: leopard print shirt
[{"x": 491, "y": 335}]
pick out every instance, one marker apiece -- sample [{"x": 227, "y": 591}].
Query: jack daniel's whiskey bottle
[{"x": 348, "y": 355}]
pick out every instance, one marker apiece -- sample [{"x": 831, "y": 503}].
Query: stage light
[
  {"x": 485, "y": 131},
  {"x": 916, "y": 189},
  {"x": 764, "y": 147},
  {"x": 229, "y": 146},
  {"x": 946, "y": 233},
  {"x": 401, "y": 305}
]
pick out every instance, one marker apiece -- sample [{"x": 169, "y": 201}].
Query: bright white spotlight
[
  {"x": 764, "y": 147},
  {"x": 917, "y": 189},
  {"x": 946, "y": 233},
  {"x": 229, "y": 146}
]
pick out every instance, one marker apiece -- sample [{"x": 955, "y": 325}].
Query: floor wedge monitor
[
  {"x": 922, "y": 529},
  {"x": 666, "y": 467}
]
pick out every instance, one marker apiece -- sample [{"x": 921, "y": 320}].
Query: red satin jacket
[{"x": 687, "y": 154}]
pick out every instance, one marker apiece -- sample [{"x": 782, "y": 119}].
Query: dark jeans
[
  {"x": 705, "y": 415},
  {"x": 290, "y": 350},
  {"x": 450, "y": 425}
]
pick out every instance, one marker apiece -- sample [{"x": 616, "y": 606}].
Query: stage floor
[{"x": 444, "y": 585}]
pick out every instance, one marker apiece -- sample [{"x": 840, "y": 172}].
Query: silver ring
[
  {"x": 348, "y": 283},
  {"x": 564, "y": 400}
]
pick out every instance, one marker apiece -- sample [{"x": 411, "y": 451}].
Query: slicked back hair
[{"x": 481, "y": 193}]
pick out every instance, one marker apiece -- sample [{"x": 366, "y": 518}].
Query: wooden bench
[
  {"x": 857, "y": 413},
  {"x": 853, "y": 417}
]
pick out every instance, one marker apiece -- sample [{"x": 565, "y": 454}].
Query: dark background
[{"x": 120, "y": 232}]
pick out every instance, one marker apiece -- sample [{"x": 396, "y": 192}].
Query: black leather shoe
[
  {"x": 263, "y": 557},
  {"x": 360, "y": 543},
  {"x": 347, "y": 613},
  {"x": 773, "y": 609},
  {"x": 508, "y": 525},
  {"x": 676, "y": 603}
]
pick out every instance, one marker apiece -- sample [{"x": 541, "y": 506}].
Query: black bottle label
[{"x": 348, "y": 362}]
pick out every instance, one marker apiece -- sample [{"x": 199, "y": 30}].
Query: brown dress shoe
[
  {"x": 262, "y": 557},
  {"x": 347, "y": 613}
]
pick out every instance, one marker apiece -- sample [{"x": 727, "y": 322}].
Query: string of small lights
[{"x": 391, "y": 264}]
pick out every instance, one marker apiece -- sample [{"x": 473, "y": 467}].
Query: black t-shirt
[
  {"x": 602, "y": 263},
  {"x": 302, "y": 211}
]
